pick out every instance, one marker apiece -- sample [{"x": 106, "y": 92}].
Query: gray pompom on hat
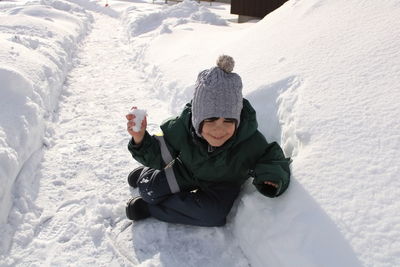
[{"x": 218, "y": 93}]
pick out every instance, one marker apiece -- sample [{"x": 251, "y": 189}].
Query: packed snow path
[{"x": 74, "y": 212}]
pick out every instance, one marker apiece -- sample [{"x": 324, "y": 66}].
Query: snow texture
[
  {"x": 36, "y": 48},
  {"x": 322, "y": 76}
]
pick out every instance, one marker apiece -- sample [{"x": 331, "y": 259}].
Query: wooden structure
[{"x": 254, "y": 8}]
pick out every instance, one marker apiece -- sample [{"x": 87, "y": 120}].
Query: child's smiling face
[{"x": 216, "y": 131}]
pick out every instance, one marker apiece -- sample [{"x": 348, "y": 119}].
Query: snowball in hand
[{"x": 139, "y": 117}]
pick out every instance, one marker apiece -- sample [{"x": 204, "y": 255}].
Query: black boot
[
  {"x": 137, "y": 209},
  {"x": 134, "y": 176}
]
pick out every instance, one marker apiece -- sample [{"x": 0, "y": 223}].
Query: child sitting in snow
[{"x": 193, "y": 171}]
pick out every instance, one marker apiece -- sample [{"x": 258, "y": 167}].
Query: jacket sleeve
[
  {"x": 157, "y": 151},
  {"x": 272, "y": 167},
  {"x": 148, "y": 152}
]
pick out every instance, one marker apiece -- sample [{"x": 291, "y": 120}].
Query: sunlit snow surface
[{"x": 322, "y": 76}]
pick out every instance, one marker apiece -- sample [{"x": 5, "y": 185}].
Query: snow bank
[
  {"x": 38, "y": 39},
  {"x": 167, "y": 17},
  {"x": 322, "y": 76},
  {"x": 96, "y": 6},
  {"x": 340, "y": 123}
]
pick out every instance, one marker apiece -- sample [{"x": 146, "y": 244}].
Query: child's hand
[
  {"x": 137, "y": 136},
  {"x": 271, "y": 184}
]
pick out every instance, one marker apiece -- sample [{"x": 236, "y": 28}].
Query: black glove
[{"x": 267, "y": 189}]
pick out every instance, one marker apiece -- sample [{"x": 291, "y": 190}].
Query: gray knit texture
[{"x": 217, "y": 94}]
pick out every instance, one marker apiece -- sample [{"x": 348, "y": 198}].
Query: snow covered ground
[{"x": 322, "y": 75}]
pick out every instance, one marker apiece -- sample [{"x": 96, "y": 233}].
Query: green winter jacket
[{"x": 190, "y": 164}]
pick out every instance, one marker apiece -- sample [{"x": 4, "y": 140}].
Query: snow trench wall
[
  {"x": 259, "y": 220},
  {"x": 37, "y": 42},
  {"x": 292, "y": 230}
]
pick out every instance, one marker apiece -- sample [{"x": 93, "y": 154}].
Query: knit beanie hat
[{"x": 218, "y": 93}]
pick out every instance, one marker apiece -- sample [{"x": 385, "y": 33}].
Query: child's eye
[
  {"x": 210, "y": 119},
  {"x": 229, "y": 120}
]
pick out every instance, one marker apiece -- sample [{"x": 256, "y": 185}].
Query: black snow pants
[{"x": 198, "y": 207}]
